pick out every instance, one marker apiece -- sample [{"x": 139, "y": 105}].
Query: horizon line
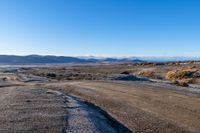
[{"x": 100, "y": 56}]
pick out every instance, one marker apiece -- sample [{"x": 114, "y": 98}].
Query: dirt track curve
[{"x": 31, "y": 109}]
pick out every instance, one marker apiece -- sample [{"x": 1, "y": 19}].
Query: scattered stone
[
  {"x": 125, "y": 72},
  {"x": 28, "y": 101}
]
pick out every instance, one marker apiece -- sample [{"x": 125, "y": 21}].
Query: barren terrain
[{"x": 99, "y": 98}]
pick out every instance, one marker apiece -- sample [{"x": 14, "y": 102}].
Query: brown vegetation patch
[
  {"x": 146, "y": 73},
  {"x": 180, "y": 83},
  {"x": 183, "y": 73}
]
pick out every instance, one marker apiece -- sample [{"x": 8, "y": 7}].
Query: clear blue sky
[{"x": 100, "y": 27}]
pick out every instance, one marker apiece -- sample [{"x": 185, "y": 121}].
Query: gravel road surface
[{"x": 34, "y": 109}]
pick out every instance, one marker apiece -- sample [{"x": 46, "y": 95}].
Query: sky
[{"x": 100, "y": 27}]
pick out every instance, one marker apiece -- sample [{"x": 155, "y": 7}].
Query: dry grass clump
[
  {"x": 196, "y": 81},
  {"x": 146, "y": 73},
  {"x": 179, "y": 74},
  {"x": 149, "y": 74},
  {"x": 196, "y": 75},
  {"x": 184, "y": 76},
  {"x": 180, "y": 83},
  {"x": 125, "y": 72},
  {"x": 8, "y": 77}
]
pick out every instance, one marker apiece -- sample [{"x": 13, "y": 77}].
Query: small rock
[{"x": 28, "y": 101}]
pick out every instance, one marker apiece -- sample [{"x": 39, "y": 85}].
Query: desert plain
[{"x": 103, "y": 98}]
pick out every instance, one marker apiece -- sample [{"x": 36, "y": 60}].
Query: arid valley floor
[{"x": 102, "y": 98}]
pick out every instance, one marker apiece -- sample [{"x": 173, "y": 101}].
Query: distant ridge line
[
  {"x": 31, "y": 59},
  {"x": 48, "y": 59}
]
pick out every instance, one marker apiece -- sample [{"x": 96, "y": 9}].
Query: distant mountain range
[
  {"x": 168, "y": 59},
  {"x": 33, "y": 59}
]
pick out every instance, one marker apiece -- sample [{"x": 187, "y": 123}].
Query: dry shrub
[
  {"x": 150, "y": 74},
  {"x": 196, "y": 81},
  {"x": 51, "y": 75},
  {"x": 180, "y": 83},
  {"x": 196, "y": 75},
  {"x": 180, "y": 74},
  {"x": 125, "y": 72}
]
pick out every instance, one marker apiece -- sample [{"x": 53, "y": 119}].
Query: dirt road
[
  {"x": 35, "y": 109},
  {"x": 142, "y": 107},
  {"x": 26, "y": 109}
]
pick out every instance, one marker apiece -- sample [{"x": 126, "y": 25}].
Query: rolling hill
[{"x": 31, "y": 59}]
